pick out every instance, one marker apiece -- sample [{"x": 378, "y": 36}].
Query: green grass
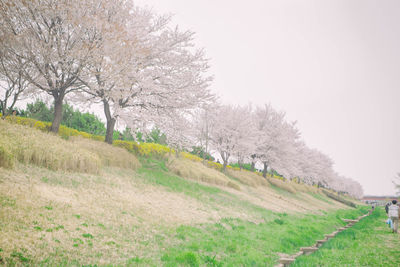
[
  {"x": 231, "y": 242},
  {"x": 320, "y": 197},
  {"x": 7, "y": 202},
  {"x": 368, "y": 243},
  {"x": 155, "y": 172},
  {"x": 235, "y": 242}
]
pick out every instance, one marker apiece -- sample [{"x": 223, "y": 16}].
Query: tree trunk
[
  {"x": 253, "y": 166},
  {"x": 265, "y": 170},
  {"x": 3, "y": 110},
  {"x": 225, "y": 158},
  {"x": 110, "y": 123},
  {"x": 58, "y": 108},
  {"x": 177, "y": 153},
  {"x": 205, "y": 151},
  {"x": 110, "y": 131}
]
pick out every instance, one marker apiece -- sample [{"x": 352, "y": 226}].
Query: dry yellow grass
[
  {"x": 248, "y": 178},
  {"x": 304, "y": 188},
  {"x": 107, "y": 218},
  {"x": 283, "y": 185},
  {"x": 44, "y": 214},
  {"x": 198, "y": 172},
  {"x": 109, "y": 155},
  {"x": 112, "y": 216},
  {"x": 32, "y": 146}
]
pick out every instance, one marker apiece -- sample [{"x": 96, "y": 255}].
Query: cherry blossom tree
[
  {"x": 153, "y": 68},
  {"x": 57, "y": 38},
  {"x": 12, "y": 81},
  {"x": 204, "y": 123},
  {"x": 232, "y": 132},
  {"x": 179, "y": 130},
  {"x": 268, "y": 130}
]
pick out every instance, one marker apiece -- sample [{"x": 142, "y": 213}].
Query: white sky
[{"x": 331, "y": 65}]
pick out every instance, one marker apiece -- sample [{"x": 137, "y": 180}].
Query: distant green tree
[
  {"x": 199, "y": 151},
  {"x": 156, "y": 136},
  {"x": 246, "y": 166},
  {"x": 139, "y": 137},
  {"x": 73, "y": 118},
  {"x": 127, "y": 135},
  {"x": 117, "y": 135},
  {"x": 85, "y": 122},
  {"x": 39, "y": 111}
]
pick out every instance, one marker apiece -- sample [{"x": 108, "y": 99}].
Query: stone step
[
  {"x": 298, "y": 254},
  {"x": 350, "y": 220},
  {"x": 308, "y": 250},
  {"x": 320, "y": 242},
  {"x": 285, "y": 262}
]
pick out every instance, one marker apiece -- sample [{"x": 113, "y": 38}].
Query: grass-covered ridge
[
  {"x": 151, "y": 219},
  {"x": 187, "y": 166},
  {"x": 159, "y": 211},
  {"x": 27, "y": 145}
]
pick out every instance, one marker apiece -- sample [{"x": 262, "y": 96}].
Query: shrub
[
  {"x": 191, "y": 156},
  {"x": 64, "y": 131},
  {"x": 215, "y": 165},
  {"x": 128, "y": 145},
  {"x": 155, "y": 150}
]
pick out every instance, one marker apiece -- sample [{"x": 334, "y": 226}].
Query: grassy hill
[{"x": 84, "y": 202}]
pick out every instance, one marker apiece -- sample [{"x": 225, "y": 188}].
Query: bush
[
  {"x": 71, "y": 118},
  {"x": 155, "y": 150},
  {"x": 245, "y": 166},
  {"x": 190, "y": 156},
  {"x": 64, "y": 131}
]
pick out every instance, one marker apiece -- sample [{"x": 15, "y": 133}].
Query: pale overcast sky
[{"x": 331, "y": 65}]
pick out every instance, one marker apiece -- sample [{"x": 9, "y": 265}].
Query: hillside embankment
[{"x": 81, "y": 201}]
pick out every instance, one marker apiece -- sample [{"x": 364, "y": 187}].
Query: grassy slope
[
  {"x": 62, "y": 218},
  {"x": 369, "y": 243},
  {"x": 151, "y": 216},
  {"x": 235, "y": 242}
]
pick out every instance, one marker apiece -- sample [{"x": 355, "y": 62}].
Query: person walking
[
  {"x": 387, "y": 207},
  {"x": 394, "y": 215}
]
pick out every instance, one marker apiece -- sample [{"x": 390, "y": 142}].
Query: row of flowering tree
[
  {"x": 145, "y": 73},
  {"x": 259, "y": 135}
]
